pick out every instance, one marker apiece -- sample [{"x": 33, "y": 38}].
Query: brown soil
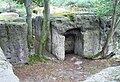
[{"x": 73, "y": 69}]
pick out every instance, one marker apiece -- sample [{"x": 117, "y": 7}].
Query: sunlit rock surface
[
  {"x": 58, "y": 48},
  {"x": 6, "y": 71},
  {"x": 111, "y": 74},
  {"x": 8, "y": 16}
]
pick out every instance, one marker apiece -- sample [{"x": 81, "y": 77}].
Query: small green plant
[
  {"x": 35, "y": 58},
  {"x": 70, "y": 16}
]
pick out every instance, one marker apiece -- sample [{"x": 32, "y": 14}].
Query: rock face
[
  {"x": 90, "y": 33},
  {"x": 58, "y": 45},
  {"x": 105, "y": 25},
  {"x": 111, "y": 74},
  {"x": 13, "y": 41},
  {"x": 84, "y": 35},
  {"x": 6, "y": 71}
]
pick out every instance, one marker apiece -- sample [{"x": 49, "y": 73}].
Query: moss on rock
[{"x": 65, "y": 14}]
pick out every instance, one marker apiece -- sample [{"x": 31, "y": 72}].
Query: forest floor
[{"x": 73, "y": 69}]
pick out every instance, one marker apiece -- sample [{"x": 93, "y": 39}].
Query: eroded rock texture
[
  {"x": 82, "y": 35},
  {"x": 6, "y": 71},
  {"x": 58, "y": 45},
  {"x": 111, "y": 74},
  {"x": 90, "y": 33},
  {"x": 85, "y": 35},
  {"x": 13, "y": 41}
]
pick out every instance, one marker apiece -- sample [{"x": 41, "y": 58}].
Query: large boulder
[
  {"x": 13, "y": 41},
  {"x": 6, "y": 71},
  {"x": 83, "y": 35},
  {"x": 90, "y": 32},
  {"x": 111, "y": 74}
]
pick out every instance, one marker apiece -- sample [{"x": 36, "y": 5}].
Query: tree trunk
[
  {"x": 102, "y": 53},
  {"x": 29, "y": 22},
  {"x": 46, "y": 26},
  {"x": 111, "y": 31}
]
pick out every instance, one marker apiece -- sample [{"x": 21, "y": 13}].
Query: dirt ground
[{"x": 73, "y": 69}]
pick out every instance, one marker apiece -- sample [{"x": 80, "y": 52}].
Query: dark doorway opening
[
  {"x": 73, "y": 41},
  {"x": 69, "y": 43}
]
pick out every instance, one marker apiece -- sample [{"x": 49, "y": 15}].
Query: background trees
[
  {"x": 115, "y": 22},
  {"x": 111, "y": 8},
  {"x": 29, "y": 22}
]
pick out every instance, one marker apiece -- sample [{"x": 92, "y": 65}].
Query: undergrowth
[{"x": 36, "y": 58}]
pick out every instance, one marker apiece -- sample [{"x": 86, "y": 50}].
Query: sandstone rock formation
[
  {"x": 6, "y": 71},
  {"x": 111, "y": 74},
  {"x": 13, "y": 41},
  {"x": 58, "y": 45},
  {"x": 83, "y": 35}
]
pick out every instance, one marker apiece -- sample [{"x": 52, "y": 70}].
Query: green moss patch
[{"x": 65, "y": 14}]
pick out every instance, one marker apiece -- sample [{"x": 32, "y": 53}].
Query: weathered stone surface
[
  {"x": 84, "y": 36},
  {"x": 105, "y": 26},
  {"x": 91, "y": 44},
  {"x": 111, "y": 74},
  {"x": 14, "y": 41},
  {"x": 19, "y": 19},
  {"x": 8, "y": 16},
  {"x": 61, "y": 24},
  {"x": 6, "y": 71},
  {"x": 86, "y": 22},
  {"x": 90, "y": 33},
  {"x": 58, "y": 45}
]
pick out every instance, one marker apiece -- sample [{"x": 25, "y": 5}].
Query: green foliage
[
  {"x": 104, "y": 7},
  {"x": 73, "y": 3},
  {"x": 35, "y": 58},
  {"x": 37, "y": 2},
  {"x": 7, "y": 5},
  {"x": 20, "y": 1},
  {"x": 87, "y": 4},
  {"x": 70, "y": 16}
]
